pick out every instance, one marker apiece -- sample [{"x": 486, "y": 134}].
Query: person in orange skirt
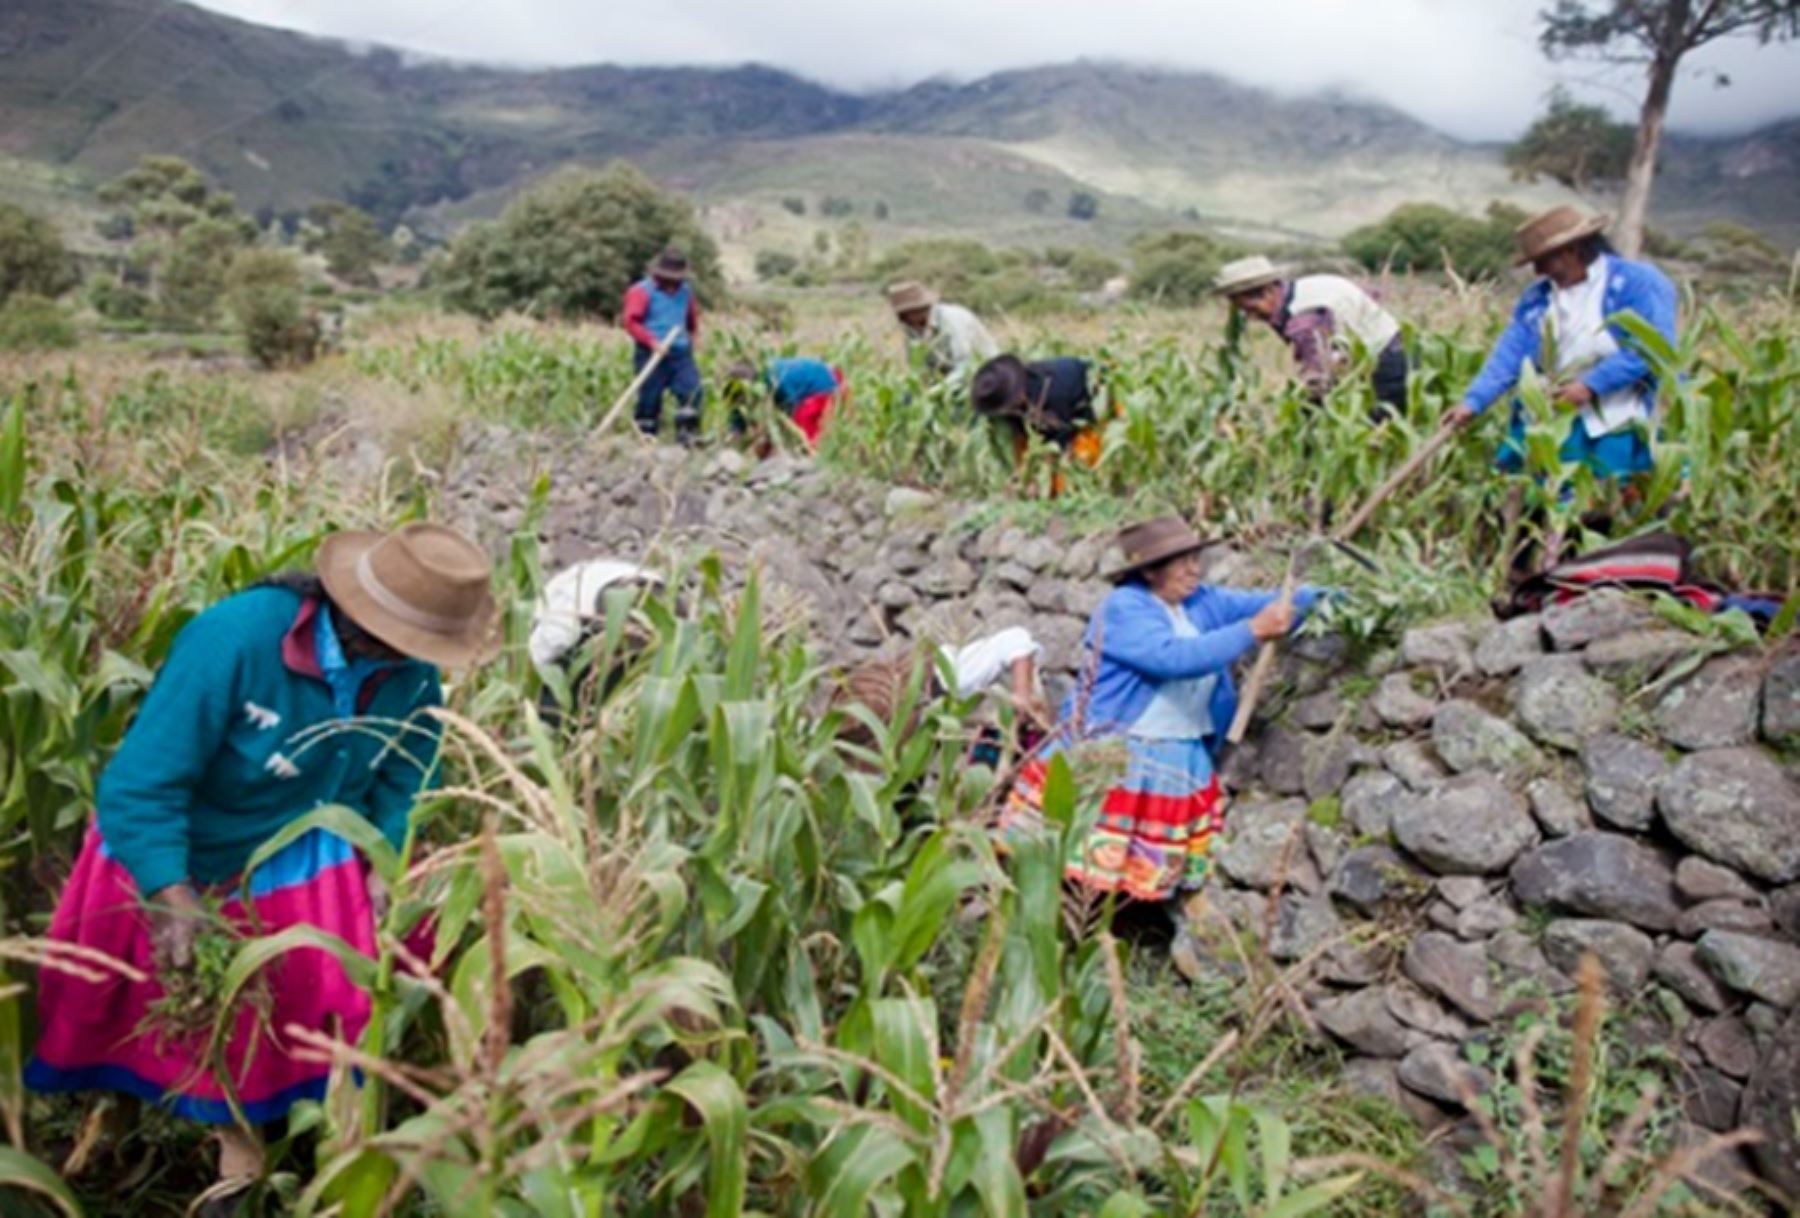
[
  {"x": 1160, "y": 650},
  {"x": 1048, "y": 398}
]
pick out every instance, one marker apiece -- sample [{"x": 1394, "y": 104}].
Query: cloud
[{"x": 1469, "y": 67}]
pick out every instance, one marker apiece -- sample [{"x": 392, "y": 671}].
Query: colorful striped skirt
[
  {"x": 1154, "y": 832},
  {"x": 100, "y": 1034}
]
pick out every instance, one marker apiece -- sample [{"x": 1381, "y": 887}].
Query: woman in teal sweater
[{"x": 300, "y": 693}]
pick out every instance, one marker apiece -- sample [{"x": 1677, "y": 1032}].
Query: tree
[
  {"x": 570, "y": 247},
  {"x": 1658, "y": 34},
  {"x": 263, "y": 289},
  {"x": 1177, "y": 268},
  {"x": 1571, "y": 143},
  {"x": 32, "y": 256},
  {"x": 1083, "y": 206},
  {"x": 351, "y": 242},
  {"x": 1429, "y": 237},
  {"x": 193, "y": 278},
  {"x": 184, "y": 234}
]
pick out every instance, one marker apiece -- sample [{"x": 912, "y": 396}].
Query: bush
[
  {"x": 1085, "y": 270},
  {"x": 29, "y": 322},
  {"x": 835, "y": 206},
  {"x": 194, "y": 278},
  {"x": 570, "y": 247},
  {"x": 775, "y": 264},
  {"x": 1177, "y": 268},
  {"x": 117, "y": 301},
  {"x": 351, "y": 242},
  {"x": 1426, "y": 237},
  {"x": 795, "y": 204},
  {"x": 1083, "y": 206},
  {"x": 264, "y": 295},
  {"x": 32, "y": 256}
]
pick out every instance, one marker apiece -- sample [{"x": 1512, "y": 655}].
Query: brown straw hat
[
  {"x": 1552, "y": 230},
  {"x": 425, "y": 590},
  {"x": 670, "y": 264},
  {"x": 1152, "y": 541},
  {"x": 906, "y": 296},
  {"x": 999, "y": 386}
]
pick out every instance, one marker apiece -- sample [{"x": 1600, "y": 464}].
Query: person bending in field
[
  {"x": 1159, "y": 656},
  {"x": 658, "y": 305},
  {"x": 1321, "y": 317},
  {"x": 805, "y": 390},
  {"x": 569, "y": 617},
  {"x": 1048, "y": 398},
  {"x": 950, "y": 339},
  {"x": 305, "y": 691},
  {"x": 1567, "y": 325}
]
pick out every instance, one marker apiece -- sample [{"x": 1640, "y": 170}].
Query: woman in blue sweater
[
  {"x": 1160, "y": 650},
  {"x": 304, "y": 692}
]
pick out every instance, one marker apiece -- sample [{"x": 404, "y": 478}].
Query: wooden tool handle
[
  {"x": 1399, "y": 478},
  {"x": 1265, "y": 664},
  {"x": 637, "y": 382}
]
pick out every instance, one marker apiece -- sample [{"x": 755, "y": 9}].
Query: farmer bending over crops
[
  {"x": 805, "y": 390},
  {"x": 951, "y": 339},
  {"x": 1160, "y": 650},
  {"x": 1593, "y": 362},
  {"x": 570, "y": 615},
  {"x": 1049, "y": 398},
  {"x": 1318, "y": 316},
  {"x": 305, "y": 691},
  {"x": 656, "y": 306}
]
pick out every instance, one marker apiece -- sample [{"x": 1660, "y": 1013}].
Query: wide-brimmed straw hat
[
  {"x": 425, "y": 590},
  {"x": 907, "y": 296},
  {"x": 1246, "y": 275},
  {"x": 1149, "y": 542},
  {"x": 1554, "y": 229},
  {"x": 670, "y": 264},
  {"x": 999, "y": 386}
]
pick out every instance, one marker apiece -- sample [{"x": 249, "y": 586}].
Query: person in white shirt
[
  {"x": 974, "y": 668},
  {"x": 569, "y": 612},
  {"x": 952, "y": 339}
]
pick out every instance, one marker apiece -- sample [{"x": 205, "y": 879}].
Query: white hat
[{"x": 1245, "y": 274}]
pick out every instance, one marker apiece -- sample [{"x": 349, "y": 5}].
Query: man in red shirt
[{"x": 656, "y": 305}]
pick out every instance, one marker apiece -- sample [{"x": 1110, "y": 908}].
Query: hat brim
[
  {"x": 1238, "y": 287},
  {"x": 662, "y": 272},
  {"x": 1164, "y": 554},
  {"x": 336, "y": 563},
  {"x": 1587, "y": 228}
]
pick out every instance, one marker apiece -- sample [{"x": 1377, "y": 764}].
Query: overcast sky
[{"x": 1470, "y": 67}]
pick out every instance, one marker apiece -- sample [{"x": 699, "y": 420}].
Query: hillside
[{"x": 284, "y": 119}]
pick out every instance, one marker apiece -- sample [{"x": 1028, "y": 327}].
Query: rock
[
  {"x": 1434, "y": 1070},
  {"x": 1622, "y": 777},
  {"x": 1370, "y": 877},
  {"x": 903, "y": 555},
  {"x": 947, "y": 577},
  {"x": 1325, "y": 764},
  {"x": 1723, "y": 915},
  {"x": 1326, "y": 844},
  {"x": 1469, "y": 738},
  {"x": 1558, "y": 812},
  {"x": 895, "y": 596},
  {"x": 1561, "y": 704},
  {"x": 1771, "y": 1105},
  {"x": 1763, "y": 1021},
  {"x": 1784, "y": 909},
  {"x": 1606, "y": 875},
  {"x": 1678, "y": 968},
  {"x": 1013, "y": 575},
  {"x": 1750, "y": 964},
  {"x": 1485, "y": 918},
  {"x": 1441, "y": 916},
  {"x": 1698, "y": 880},
  {"x": 1415, "y": 1008},
  {"x": 1039, "y": 554},
  {"x": 1714, "y": 708},
  {"x": 1061, "y": 639},
  {"x": 1625, "y": 952},
  {"x": 1368, "y": 802},
  {"x": 1727, "y": 1170},
  {"x": 1372, "y": 1078},
  {"x": 1082, "y": 559},
  {"x": 1605, "y": 613},
  {"x": 1781, "y": 699},
  {"x": 1281, "y": 760},
  {"x": 1711, "y": 1099},
  {"x": 1522, "y": 962},
  {"x": 1362, "y": 1021},
  {"x": 1351, "y": 964},
  {"x": 1455, "y": 972},
  {"x": 1724, "y": 1042},
  {"x": 1265, "y": 845},
  {"x": 1736, "y": 807},
  {"x": 1398, "y": 704},
  {"x": 1413, "y": 764},
  {"x": 1462, "y": 891},
  {"x": 1638, "y": 656},
  {"x": 1471, "y": 825},
  {"x": 1050, "y": 596},
  {"x": 1444, "y": 646},
  {"x": 1319, "y": 711},
  {"x": 1509, "y": 646},
  {"x": 1303, "y": 925}
]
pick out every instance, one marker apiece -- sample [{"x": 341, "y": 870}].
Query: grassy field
[{"x": 691, "y": 957}]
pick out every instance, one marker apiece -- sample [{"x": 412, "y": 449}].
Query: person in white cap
[
  {"x": 951, "y": 340},
  {"x": 570, "y": 611},
  {"x": 1322, "y": 317}
]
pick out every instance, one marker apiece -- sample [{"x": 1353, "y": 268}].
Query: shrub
[
  {"x": 835, "y": 206},
  {"x": 194, "y": 278},
  {"x": 117, "y": 301},
  {"x": 1083, "y": 205},
  {"x": 264, "y": 294},
  {"x": 29, "y": 322},
  {"x": 1086, "y": 270},
  {"x": 795, "y": 204},
  {"x": 1427, "y": 237},
  {"x": 351, "y": 242},
  {"x": 32, "y": 256},
  {"x": 570, "y": 247},
  {"x": 1177, "y": 268},
  {"x": 775, "y": 264}
]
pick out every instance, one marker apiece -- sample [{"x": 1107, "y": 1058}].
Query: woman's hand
[
  {"x": 1272, "y": 621},
  {"x": 176, "y": 916}
]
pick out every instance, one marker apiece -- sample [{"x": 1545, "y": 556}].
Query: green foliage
[
  {"x": 263, "y": 292},
  {"x": 1428, "y": 237},
  {"x": 1177, "y": 268},
  {"x": 794, "y": 205},
  {"x": 33, "y": 323},
  {"x": 186, "y": 234},
  {"x": 1571, "y": 143},
  {"x": 193, "y": 279},
  {"x": 775, "y": 264},
  {"x": 570, "y": 247},
  {"x": 1086, "y": 270},
  {"x": 972, "y": 274},
  {"x": 32, "y": 256},
  {"x": 118, "y": 301},
  {"x": 351, "y": 242},
  {"x": 835, "y": 206},
  {"x": 1083, "y": 205}
]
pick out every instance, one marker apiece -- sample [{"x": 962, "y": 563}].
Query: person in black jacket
[{"x": 1049, "y": 398}]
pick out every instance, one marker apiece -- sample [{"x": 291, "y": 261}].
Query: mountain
[{"x": 283, "y": 119}]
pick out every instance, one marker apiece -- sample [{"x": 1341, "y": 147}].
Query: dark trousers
[
  {"x": 677, "y": 374},
  {"x": 1389, "y": 379}
]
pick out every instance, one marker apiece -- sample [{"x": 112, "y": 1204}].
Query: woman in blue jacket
[
  {"x": 1595, "y": 365},
  {"x": 1160, "y": 650}
]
